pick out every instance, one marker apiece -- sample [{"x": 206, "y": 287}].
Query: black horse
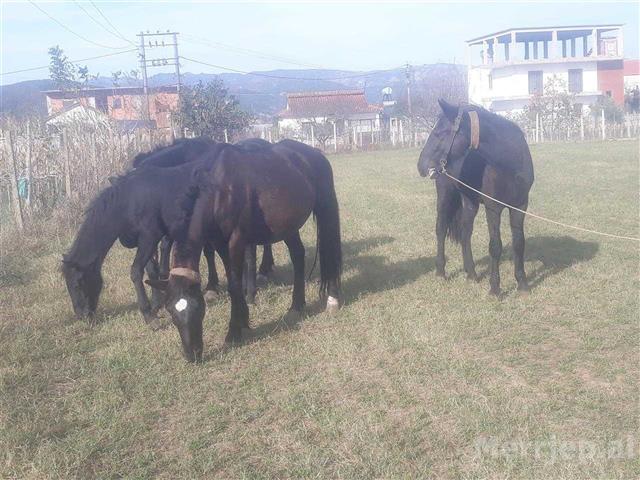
[
  {"x": 246, "y": 198},
  {"x": 172, "y": 156},
  {"x": 490, "y": 154},
  {"x": 139, "y": 208}
]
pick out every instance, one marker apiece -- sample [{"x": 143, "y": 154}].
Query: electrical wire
[
  {"x": 115, "y": 29},
  {"x": 246, "y": 51},
  {"x": 70, "y": 61},
  {"x": 97, "y": 22},
  {"x": 82, "y": 37}
]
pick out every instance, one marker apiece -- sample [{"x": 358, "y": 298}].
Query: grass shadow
[{"x": 555, "y": 253}]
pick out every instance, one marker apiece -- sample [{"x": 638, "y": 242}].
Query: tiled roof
[{"x": 323, "y": 104}]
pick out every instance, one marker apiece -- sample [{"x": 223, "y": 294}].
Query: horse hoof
[
  {"x": 210, "y": 295},
  {"x": 233, "y": 338},
  {"x": 472, "y": 277},
  {"x": 524, "y": 290},
  {"x": 154, "y": 324},
  {"x": 292, "y": 316},
  {"x": 495, "y": 292},
  {"x": 262, "y": 279},
  {"x": 441, "y": 274},
  {"x": 333, "y": 305}
]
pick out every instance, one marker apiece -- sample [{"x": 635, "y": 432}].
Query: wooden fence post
[
  {"x": 581, "y": 127},
  {"x": 29, "y": 168},
  {"x": 15, "y": 194},
  {"x": 604, "y": 134},
  {"x": 335, "y": 138},
  {"x": 94, "y": 157},
  {"x": 226, "y": 136}
]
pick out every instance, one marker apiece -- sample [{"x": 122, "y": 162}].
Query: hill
[{"x": 258, "y": 92}]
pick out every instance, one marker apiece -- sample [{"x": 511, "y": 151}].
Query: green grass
[{"x": 408, "y": 380}]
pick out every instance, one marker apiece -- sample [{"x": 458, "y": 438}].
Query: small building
[
  {"x": 125, "y": 105},
  {"x": 507, "y": 68},
  {"x": 322, "y": 116}
]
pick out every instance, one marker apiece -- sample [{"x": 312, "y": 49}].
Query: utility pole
[
  {"x": 408, "y": 77},
  {"x": 157, "y": 40}
]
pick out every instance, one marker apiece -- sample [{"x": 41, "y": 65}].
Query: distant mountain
[{"x": 260, "y": 92}]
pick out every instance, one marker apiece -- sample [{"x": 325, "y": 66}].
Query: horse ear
[
  {"x": 160, "y": 284},
  {"x": 450, "y": 111}
]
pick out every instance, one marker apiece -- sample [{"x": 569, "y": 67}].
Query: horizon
[{"x": 376, "y": 39}]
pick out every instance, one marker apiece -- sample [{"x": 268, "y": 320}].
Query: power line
[
  {"x": 281, "y": 77},
  {"x": 72, "y": 31},
  {"x": 70, "y": 61},
  {"x": 106, "y": 19},
  {"x": 246, "y": 51},
  {"x": 96, "y": 21}
]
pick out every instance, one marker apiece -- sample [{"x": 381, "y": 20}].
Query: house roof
[
  {"x": 606, "y": 27},
  {"x": 325, "y": 104},
  {"x": 76, "y": 112}
]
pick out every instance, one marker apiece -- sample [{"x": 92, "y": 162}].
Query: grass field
[{"x": 415, "y": 377}]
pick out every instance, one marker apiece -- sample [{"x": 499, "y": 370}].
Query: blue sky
[{"x": 354, "y": 36}]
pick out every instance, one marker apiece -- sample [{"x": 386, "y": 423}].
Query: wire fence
[{"x": 44, "y": 169}]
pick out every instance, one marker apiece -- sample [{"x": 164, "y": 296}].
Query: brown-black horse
[
  {"x": 139, "y": 208},
  {"x": 489, "y": 153},
  {"x": 248, "y": 198},
  {"x": 170, "y": 157}
]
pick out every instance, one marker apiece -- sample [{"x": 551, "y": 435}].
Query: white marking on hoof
[
  {"x": 333, "y": 305},
  {"x": 181, "y": 305}
]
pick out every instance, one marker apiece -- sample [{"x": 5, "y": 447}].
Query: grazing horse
[
  {"x": 490, "y": 154},
  {"x": 154, "y": 159},
  {"x": 139, "y": 208},
  {"x": 245, "y": 198}
]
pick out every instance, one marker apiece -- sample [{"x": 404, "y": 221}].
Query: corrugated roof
[{"x": 325, "y": 104}]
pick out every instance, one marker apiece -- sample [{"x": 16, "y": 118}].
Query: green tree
[
  {"x": 612, "y": 112},
  {"x": 556, "y": 108},
  {"x": 61, "y": 70},
  {"x": 209, "y": 110}
]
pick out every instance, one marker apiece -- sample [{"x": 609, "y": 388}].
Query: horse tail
[
  {"x": 454, "y": 218},
  {"x": 327, "y": 215}
]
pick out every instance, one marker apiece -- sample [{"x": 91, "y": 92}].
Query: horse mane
[{"x": 157, "y": 156}]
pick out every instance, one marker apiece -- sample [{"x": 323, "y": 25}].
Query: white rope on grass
[{"x": 622, "y": 237}]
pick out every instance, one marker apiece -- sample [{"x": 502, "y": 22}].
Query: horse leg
[
  {"x": 441, "y": 234},
  {"x": 296, "y": 252},
  {"x": 210, "y": 254},
  {"x": 233, "y": 259},
  {"x": 146, "y": 248},
  {"x": 153, "y": 272},
  {"x": 516, "y": 219},
  {"x": 250, "y": 271},
  {"x": 266, "y": 266},
  {"x": 469, "y": 211},
  {"x": 165, "y": 256},
  {"x": 495, "y": 246}
]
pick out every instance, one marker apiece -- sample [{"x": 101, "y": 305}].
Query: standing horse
[
  {"x": 490, "y": 154},
  {"x": 167, "y": 157},
  {"x": 139, "y": 208},
  {"x": 246, "y": 198}
]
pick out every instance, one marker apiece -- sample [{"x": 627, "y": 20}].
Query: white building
[{"x": 507, "y": 68}]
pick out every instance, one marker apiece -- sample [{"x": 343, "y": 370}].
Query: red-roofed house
[{"x": 309, "y": 115}]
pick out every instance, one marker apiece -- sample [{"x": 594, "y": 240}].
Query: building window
[
  {"x": 117, "y": 103},
  {"x": 575, "y": 80},
  {"x": 608, "y": 93},
  {"x": 535, "y": 82},
  {"x": 490, "y": 82}
]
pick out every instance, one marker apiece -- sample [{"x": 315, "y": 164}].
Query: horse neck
[
  {"x": 188, "y": 247},
  {"x": 95, "y": 237}
]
